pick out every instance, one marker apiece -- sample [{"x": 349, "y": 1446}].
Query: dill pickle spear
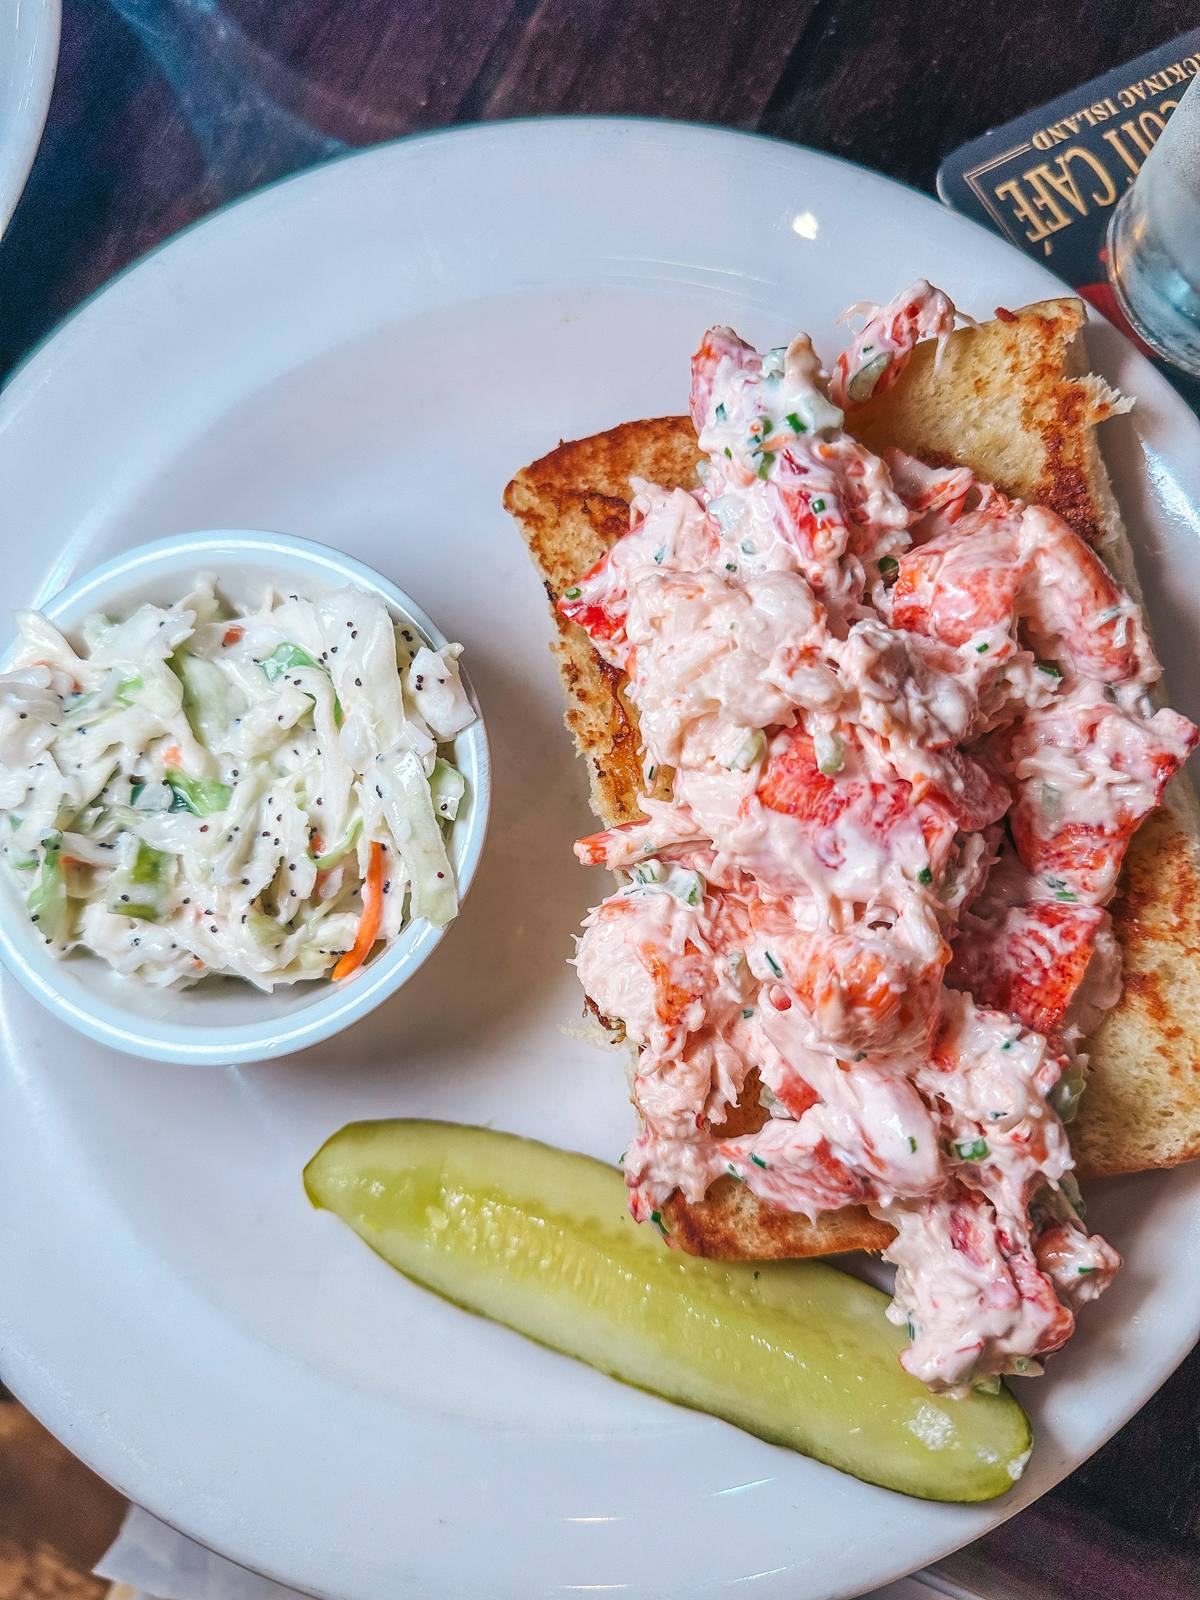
[{"x": 542, "y": 1241}]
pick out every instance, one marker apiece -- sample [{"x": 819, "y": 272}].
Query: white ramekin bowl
[{"x": 225, "y": 1021}]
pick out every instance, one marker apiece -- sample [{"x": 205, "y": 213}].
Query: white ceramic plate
[
  {"x": 363, "y": 356},
  {"x": 29, "y": 32}
]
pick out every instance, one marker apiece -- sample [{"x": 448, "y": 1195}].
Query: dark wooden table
[{"x": 164, "y": 109}]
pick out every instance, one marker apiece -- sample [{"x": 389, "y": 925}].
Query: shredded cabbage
[{"x": 197, "y": 789}]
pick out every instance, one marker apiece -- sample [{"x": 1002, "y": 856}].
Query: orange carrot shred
[
  {"x": 172, "y": 757},
  {"x": 233, "y": 634},
  {"x": 372, "y": 915}
]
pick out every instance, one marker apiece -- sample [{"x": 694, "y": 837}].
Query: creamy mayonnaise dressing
[
  {"x": 261, "y": 792},
  {"x": 856, "y": 669}
]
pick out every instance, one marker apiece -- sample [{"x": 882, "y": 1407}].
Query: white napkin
[
  {"x": 156, "y": 1563},
  {"x": 152, "y": 1562}
]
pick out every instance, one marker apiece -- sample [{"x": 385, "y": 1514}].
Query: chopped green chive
[
  {"x": 719, "y": 413},
  {"x": 794, "y": 423},
  {"x": 1082, "y": 1271},
  {"x": 888, "y": 566},
  {"x": 759, "y": 1162},
  {"x": 1007, "y": 1045},
  {"x": 1049, "y": 668},
  {"x": 912, "y": 1144},
  {"x": 773, "y": 964},
  {"x": 861, "y": 1055},
  {"x": 729, "y": 452},
  {"x": 925, "y": 875},
  {"x": 573, "y": 592},
  {"x": 733, "y": 1172},
  {"x": 656, "y": 1219},
  {"x": 765, "y": 465},
  {"x": 818, "y": 505},
  {"x": 747, "y": 1012},
  {"x": 981, "y": 649},
  {"x": 731, "y": 566}
]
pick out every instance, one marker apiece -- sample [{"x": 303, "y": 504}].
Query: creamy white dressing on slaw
[
  {"x": 857, "y": 668},
  {"x": 204, "y": 789}
]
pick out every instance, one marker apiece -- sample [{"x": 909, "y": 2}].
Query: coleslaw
[{"x": 204, "y": 789}]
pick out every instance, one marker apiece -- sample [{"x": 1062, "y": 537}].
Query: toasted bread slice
[
  {"x": 1011, "y": 400},
  {"x": 570, "y": 506}
]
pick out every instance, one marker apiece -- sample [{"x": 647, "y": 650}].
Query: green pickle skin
[{"x": 541, "y": 1240}]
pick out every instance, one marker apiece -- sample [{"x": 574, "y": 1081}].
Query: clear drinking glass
[{"x": 1154, "y": 241}]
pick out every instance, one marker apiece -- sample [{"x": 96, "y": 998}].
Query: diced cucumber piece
[
  {"x": 647, "y": 872},
  {"x": 447, "y": 786},
  {"x": 751, "y": 748},
  {"x": 542, "y": 1241},
  {"x": 201, "y": 796},
  {"x": 283, "y": 658},
  {"x": 830, "y": 751},
  {"x": 863, "y": 383},
  {"x": 682, "y": 882},
  {"x": 210, "y": 699},
  {"x": 141, "y": 890}
]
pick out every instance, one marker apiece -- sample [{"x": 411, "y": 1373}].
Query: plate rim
[
  {"x": 487, "y": 132},
  {"x": 41, "y": 53}
]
